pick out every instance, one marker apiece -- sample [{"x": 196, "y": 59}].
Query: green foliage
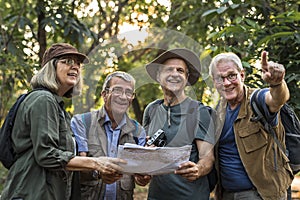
[
  {"x": 246, "y": 28},
  {"x": 207, "y": 27}
]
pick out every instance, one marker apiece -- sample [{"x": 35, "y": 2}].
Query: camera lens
[{"x": 161, "y": 143}]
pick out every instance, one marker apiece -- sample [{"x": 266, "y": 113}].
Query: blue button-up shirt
[{"x": 112, "y": 148}]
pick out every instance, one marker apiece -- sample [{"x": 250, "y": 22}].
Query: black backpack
[
  {"x": 291, "y": 125},
  {"x": 7, "y": 153}
]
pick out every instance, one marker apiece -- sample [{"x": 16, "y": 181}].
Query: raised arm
[{"x": 273, "y": 73}]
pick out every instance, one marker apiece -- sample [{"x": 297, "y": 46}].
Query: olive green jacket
[
  {"x": 255, "y": 147},
  {"x": 43, "y": 139}
]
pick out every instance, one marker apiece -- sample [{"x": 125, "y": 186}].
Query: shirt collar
[
  {"x": 107, "y": 120},
  {"x": 59, "y": 100}
]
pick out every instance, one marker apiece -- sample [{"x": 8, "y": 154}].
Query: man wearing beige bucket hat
[
  {"x": 190, "y": 58},
  {"x": 184, "y": 122}
]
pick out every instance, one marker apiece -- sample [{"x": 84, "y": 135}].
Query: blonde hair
[
  {"x": 46, "y": 77},
  {"x": 227, "y": 56}
]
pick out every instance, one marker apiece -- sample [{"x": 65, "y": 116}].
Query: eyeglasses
[
  {"x": 70, "y": 62},
  {"x": 118, "y": 91},
  {"x": 230, "y": 77}
]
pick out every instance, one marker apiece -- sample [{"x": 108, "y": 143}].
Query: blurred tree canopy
[
  {"x": 246, "y": 28},
  {"x": 103, "y": 29}
]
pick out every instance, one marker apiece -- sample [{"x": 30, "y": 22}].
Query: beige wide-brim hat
[{"x": 189, "y": 57}]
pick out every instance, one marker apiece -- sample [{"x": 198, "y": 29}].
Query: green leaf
[
  {"x": 252, "y": 23},
  {"x": 282, "y": 34},
  {"x": 205, "y": 54},
  {"x": 209, "y": 12},
  {"x": 234, "y": 29},
  {"x": 221, "y": 10},
  {"x": 234, "y": 6},
  {"x": 264, "y": 40}
]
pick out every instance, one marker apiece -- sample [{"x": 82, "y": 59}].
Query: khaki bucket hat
[{"x": 190, "y": 58}]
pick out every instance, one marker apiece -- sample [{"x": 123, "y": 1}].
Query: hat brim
[
  {"x": 82, "y": 58},
  {"x": 190, "y": 58}
]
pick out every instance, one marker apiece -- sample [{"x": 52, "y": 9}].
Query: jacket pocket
[{"x": 252, "y": 138}]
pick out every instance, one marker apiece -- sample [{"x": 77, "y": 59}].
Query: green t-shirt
[{"x": 175, "y": 121}]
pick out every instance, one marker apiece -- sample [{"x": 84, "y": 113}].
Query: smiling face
[
  {"x": 68, "y": 72},
  {"x": 173, "y": 75},
  {"x": 229, "y": 82},
  {"x": 118, "y": 97}
]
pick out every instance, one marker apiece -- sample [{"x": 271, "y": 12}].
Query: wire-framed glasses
[
  {"x": 118, "y": 91},
  {"x": 70, "y": 62}
]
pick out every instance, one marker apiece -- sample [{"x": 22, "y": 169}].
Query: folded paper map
[{"x": 152, "y": 160}]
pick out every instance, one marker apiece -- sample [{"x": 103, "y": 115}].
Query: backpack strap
[
  {"x": 192, "y": 126},
  {"x": 154, "y": 106},
  {"x": 192, "y": 117},
  {"x": 86, "y": 120},
  {"x": 149, "y": 112},
  {"x": 259, "y": 116},
  {"x": 136, "y": 124}
]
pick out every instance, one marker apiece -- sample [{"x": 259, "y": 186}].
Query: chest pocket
[
  {"x": 252, "y": 138},
  {"x": 127, "y": 138}
]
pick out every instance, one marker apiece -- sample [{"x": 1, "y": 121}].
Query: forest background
[{"x": 126, "y": 34}]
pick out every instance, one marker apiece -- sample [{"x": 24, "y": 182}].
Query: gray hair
[
  {"x": 228, "y": 56},
  {"x": 47, "y": 78},
  {"x": 123, "y": 75}
]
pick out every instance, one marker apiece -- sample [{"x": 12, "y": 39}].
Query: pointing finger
[{"x": 264, "y": 60}]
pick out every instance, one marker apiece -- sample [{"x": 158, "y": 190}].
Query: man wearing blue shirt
[
  {"x": 99, "y": 133},
  {"x": 245, "y": 152}
]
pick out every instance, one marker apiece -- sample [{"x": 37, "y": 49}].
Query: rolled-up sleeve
[{"x": 272, "y": 118}]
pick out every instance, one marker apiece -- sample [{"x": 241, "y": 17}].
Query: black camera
[{"x": 159, "y": 139}]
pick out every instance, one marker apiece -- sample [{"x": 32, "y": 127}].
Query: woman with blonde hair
[{"x": 42, "y": 137}]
